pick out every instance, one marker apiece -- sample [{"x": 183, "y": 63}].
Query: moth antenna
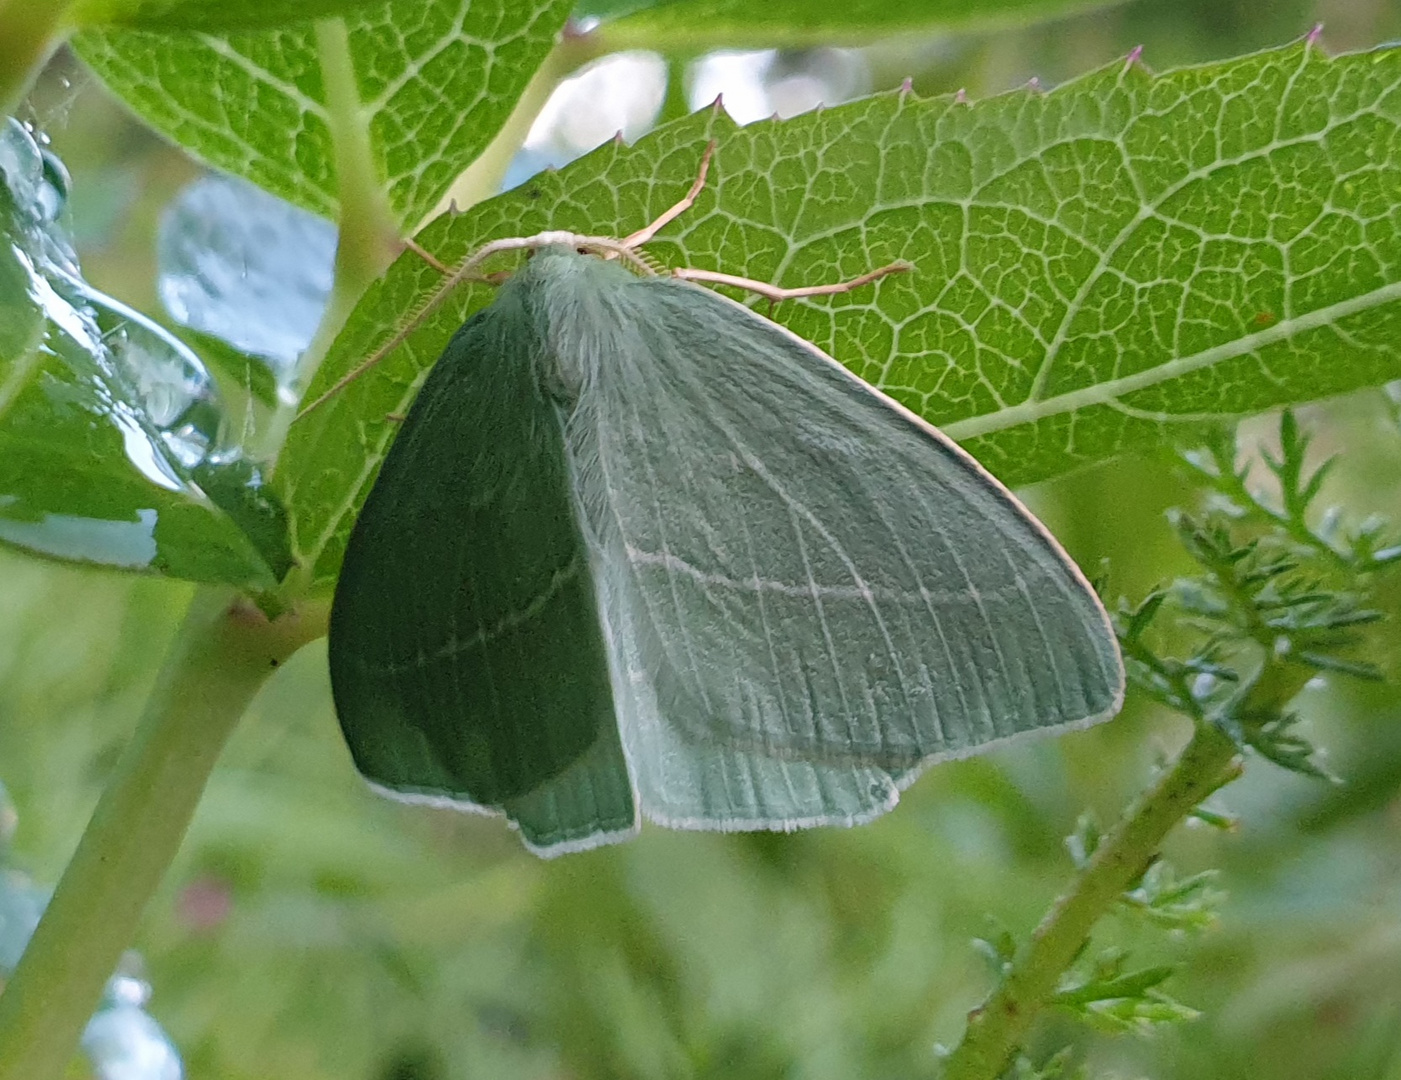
[
  {"x": 607, "y": 249},
  {"x": 466, "y": 271},
  {"x": 650, "y": 261},
  {"x": 774, "y": 294},
  {"x": 624, "y": 249},
  {"x": 642, "y": 236},
  {"x": 416, "y": 317}
]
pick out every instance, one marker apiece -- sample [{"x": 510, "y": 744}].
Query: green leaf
[
  {"x": 1137, "y": 1014},
  {"x": 1090, "y": 263},
  {"x": 1084, "y": 841},
  {"x": 435, "y": 80},
  {"x": 1058, "y": 1066},
  {"x": 998, "y": 947},
  {"x": 1277, "y": 740},
  {"x": 1134, "y": 984},
  {"x": 210, "y": 16},
  {"x": 737, "y": 24},
  {"x": 1115, "y": 1000},
  {"x": 113, "y": 446},
  {"x": 1188, "y": 904}
]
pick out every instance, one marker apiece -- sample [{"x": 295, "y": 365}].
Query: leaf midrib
[{"x": 1108, "y": 392}]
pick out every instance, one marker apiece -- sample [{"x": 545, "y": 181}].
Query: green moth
[{"x": 638, "y": 551}]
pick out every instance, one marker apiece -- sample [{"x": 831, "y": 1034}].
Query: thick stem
[
  {"x": 997, "y": 1029},
  {"x": 224, "y": 652},
  {"x": 369, "y": 230},
  {"x": 30, "y": 30},
  {"x": 368, "y": 236}
]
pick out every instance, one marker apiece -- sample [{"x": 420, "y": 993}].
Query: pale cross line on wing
[
  {"x": 865, "y": 593},
  {"x": 455, "y": 646}
]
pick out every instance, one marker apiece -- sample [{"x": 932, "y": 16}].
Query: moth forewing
[{"x": 912, "y": 418}]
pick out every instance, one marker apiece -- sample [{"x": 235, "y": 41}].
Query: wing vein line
[
  {"x": 796, "y": 505},
  {"x": 671, "y": 581},
  {"x": 826, "y": 637}
]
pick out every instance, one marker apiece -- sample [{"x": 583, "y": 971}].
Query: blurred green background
[{"x": 312, "y": 930}]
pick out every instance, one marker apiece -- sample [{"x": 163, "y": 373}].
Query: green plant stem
[
  {"x": 30, "y": 30},
  {"x": 369, "y": 232},
  {"x": 997, "y": 1029},
  {"x": 222, "y": 655},
  {"x": 369, "y": 235},
  {"x": 369, "y": 238}
]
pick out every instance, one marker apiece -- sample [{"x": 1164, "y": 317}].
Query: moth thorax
[{"x": 579, "y": 333}]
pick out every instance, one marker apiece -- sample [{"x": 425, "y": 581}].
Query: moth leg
[
  {"x": 496, "y": 277},
  {"x": 643, "y": 235},
  {"x": 427, "y": 256},
  {"x": 774, "y": 293}
]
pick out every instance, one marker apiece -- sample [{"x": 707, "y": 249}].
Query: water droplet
[
  {"x": 108, "y": 416},
  {"x": 21, "y": 904},
  {"x": 124, "y": 1043},
  {"x": 22, "y": 165},
  {"x": 246, "y": 267},
  {"x": 53, "y": 193},
  {"x": 128, "y": 990}
]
